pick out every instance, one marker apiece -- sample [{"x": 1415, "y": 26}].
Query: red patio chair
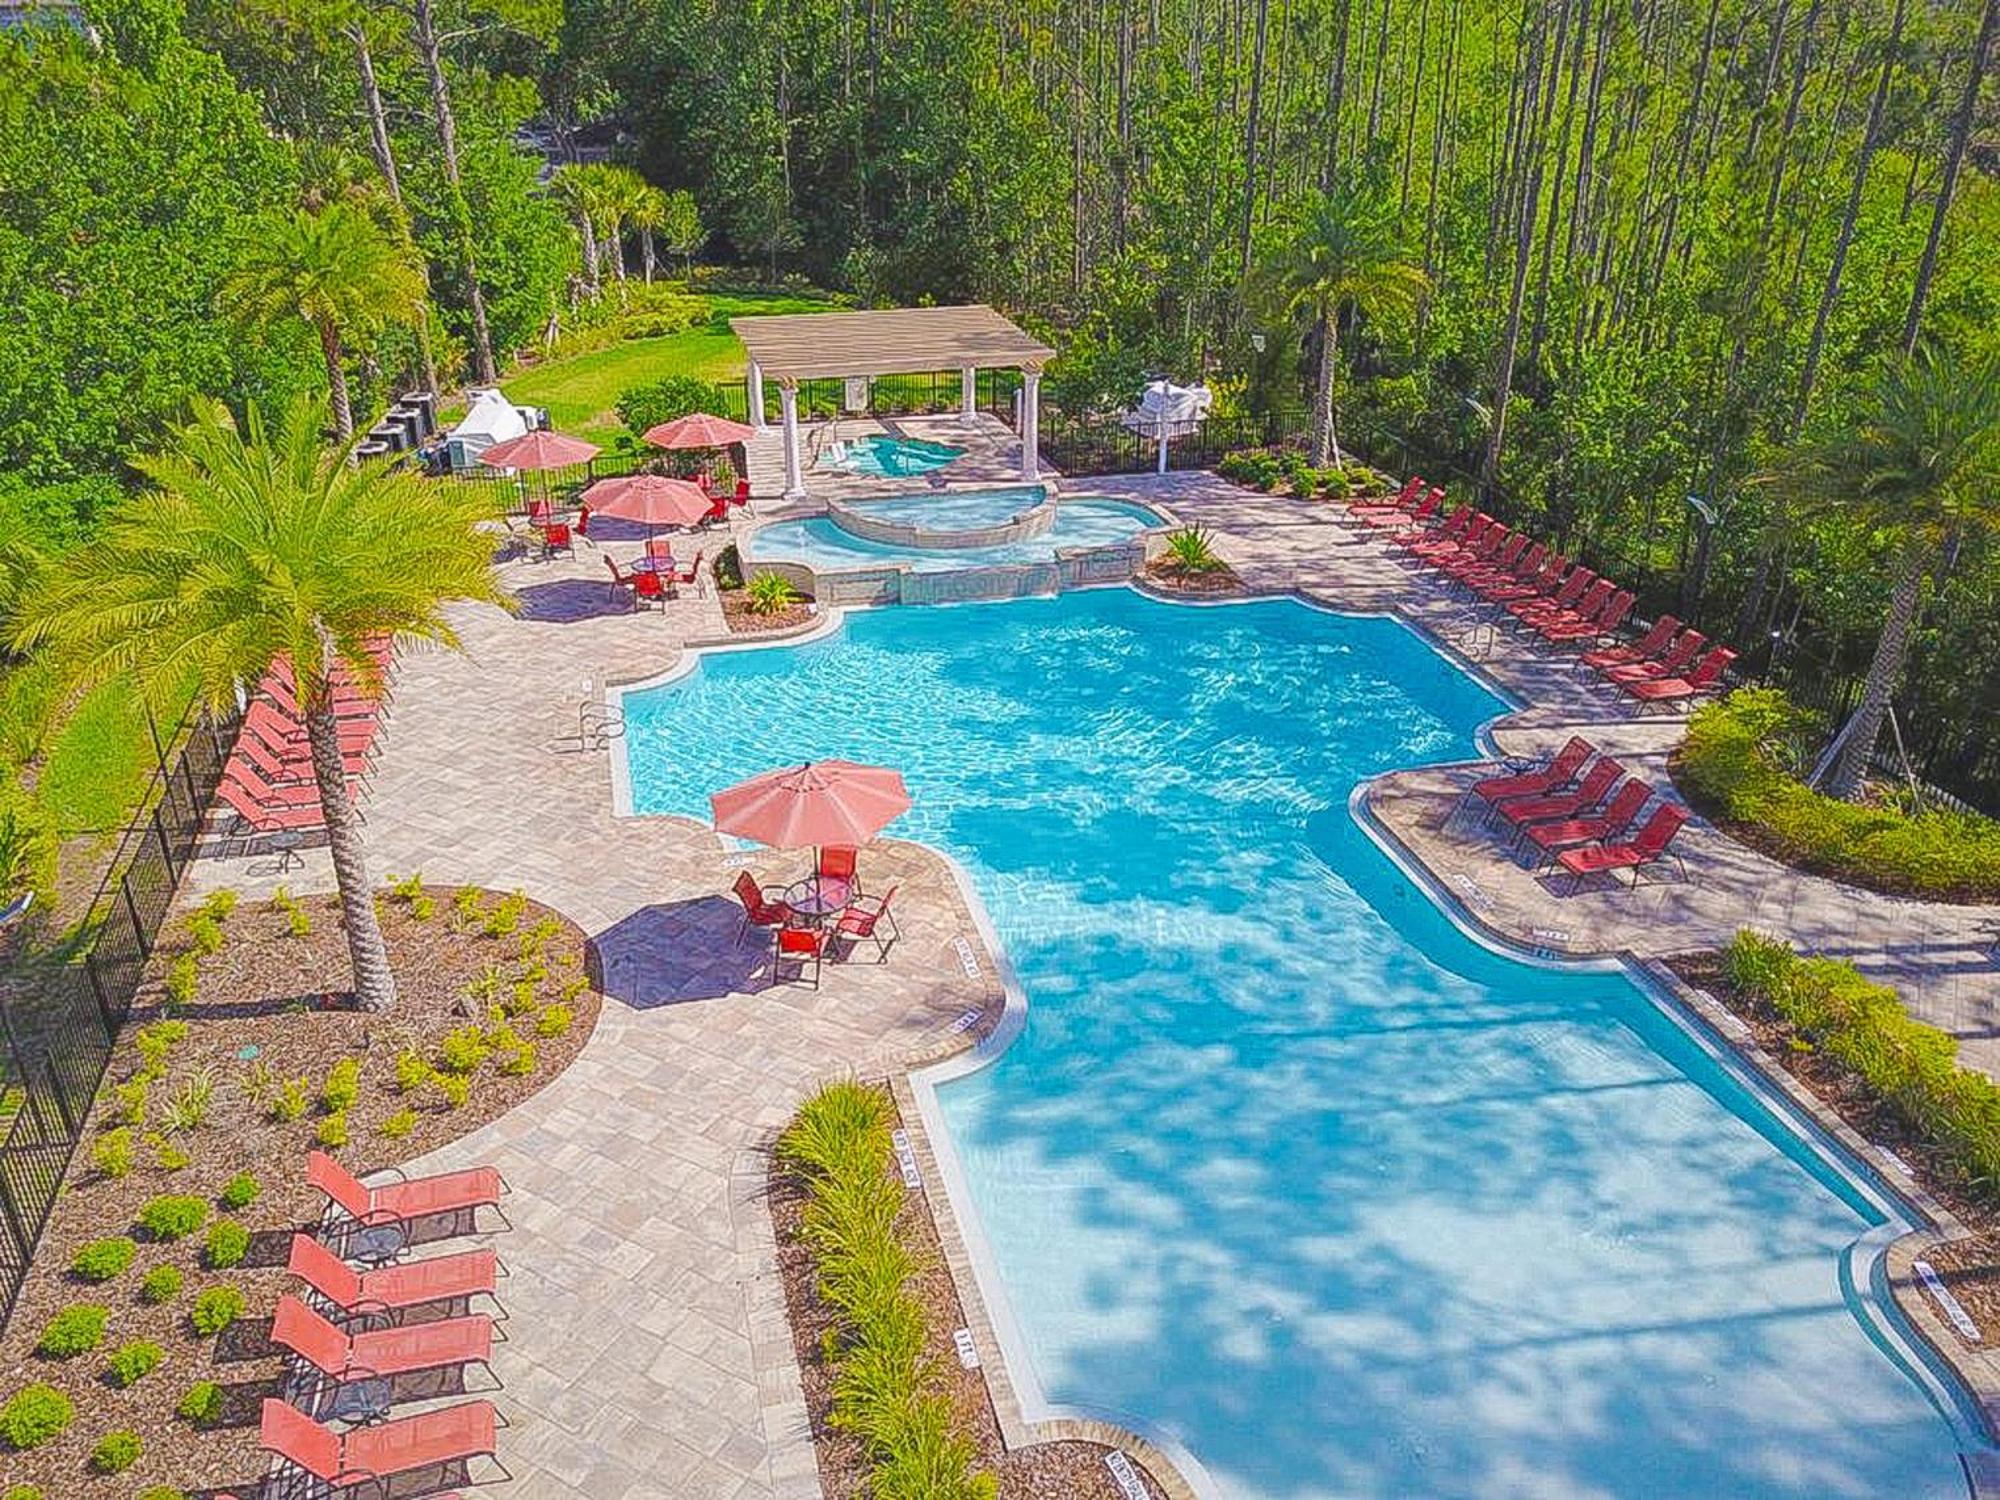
[
  {"x": 1404, "y": 499},
  {"x": 1559, "y": 770},
  {"x": 1525, "y": 567},
  {"x": 1687, "y": 645},
  {"x": 1415, "y": 515},
  {"x": 285, "y": 732},
  {"x": 382, "y": 1354},
  {"x": 660, "y": 548},
  {"x": 349, "y": 1200},
  {"x": 1503, "y": 556},
  {"x": 1606, "y": 622},
  {"x": 837, "y": 862},
  {"x": 555, "y": 538},
  {"x": 1543, "y": 585},
  {"x": 1456, "y": 524},
  {"x": 718, "y": 511},
  {"x": 741, "y": 496},
  {"x": 803, "y": 946},
  {"x": 363, "y": 1460},
  {"x": 1533, "y": 611},
  {"x": 1566, "y": 833},
  {"x": 648, "y": 586},
  {"x": 1478, "y": 535},
  {"x": 759, "y": 909},
  {"x": 1649, "y": 644},
  {"x": 692, "y": 575},
  {"x": 1706, "y": 676},
  {"x": 1585, "y": 609},
  {"x": 866, "y": 923},
  {"x": 385, "y": 1292},
  {"x": 278, "y": 798},
  {"x": 1518, "y": 812},
  {"x": 263, "y": 819},
  {"x": 348, "y": 703},
  {"x": 1642, "y": 849}
]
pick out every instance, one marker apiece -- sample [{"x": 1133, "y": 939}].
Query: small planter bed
[
  {"x": 1175, "y": 578},
  {"x": 842, "y": 1135},
  {"x": 1971, "y": 1266},
  {"x": 189, "y": 1181},
  {"x": 742, "y": 619}
]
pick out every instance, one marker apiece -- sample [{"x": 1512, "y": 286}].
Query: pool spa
[
  {"x": 1283, "y": 1169},
  {"x": 826, "y": 545},
  {"x": 883, "y": 455}
]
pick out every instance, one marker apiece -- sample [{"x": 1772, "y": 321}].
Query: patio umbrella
[
  {"x": 698, "y": 431},
  {"x": 539, "y": 450},
  {"x": 819, "y": 803},
  {"x": 649, "y": 499}
]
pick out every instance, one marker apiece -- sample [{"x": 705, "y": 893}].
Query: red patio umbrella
[
  {"x": 821, "y": 802},
  {"x": 649, "y": 499},
  {"x": 699, "y": 430},
  {"x": 539, "y": 450}
]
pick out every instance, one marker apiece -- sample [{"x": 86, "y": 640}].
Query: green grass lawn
[{"x": 580, "y": 392}]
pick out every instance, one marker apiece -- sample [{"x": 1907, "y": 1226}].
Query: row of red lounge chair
[
  {"x": 1542, "y": 592},
  {"x": 1577, "y": 811},
  {"x": 360, "y": 1338},
  {"x": 268, "y": 780}
]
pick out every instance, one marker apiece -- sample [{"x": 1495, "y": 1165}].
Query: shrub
[
  {"x": 133, "y": 1362},
  {"x": 413, "y": 1071},
  {"x": 505, "y": 915},
  {"x": 162, "y": 1284},
  {"x": 453, "y": 1088},
  {"x": 167, "y": 1156},
  {"x": 466, "y": 908},
  {"x": 215, "y": 1309},
  {"x": 162, "y": 1492},
  {"x": 155, "y": 1042},
  {"x": 769, "y": 594},
  {"x": 662, "y": 400},
  {"x": 1192, "y": 550},
  {"x": 406, "y": 889},
  {"x": 729, "y": 568},
  {"x": 204, "y": 935},
  {"x": 77, "y": 1329},
  {"x": 202, "y": 1403},
  {"x": 173, "y": 1216},
  {"x": 188, "y": 1109},
  {"x": 553, "y": 1021},
  {"x": 101, "y": 1260},
  {"x": 1735, "y": 759},
  {"x": 113, "y": 1154},
  {"x": 342, "y": 1086},
  {"x": 128, "y": 1102},
  {"x": 522, "y": 999},
  {"x": 34, "y": 1414},
  {"x": 239, "y": 1192},
  {"x": 298, "y": 921},
  {"x": 217, "y": 905},
  {"x": 228, "y": 1242},
  {"x": 116, "y": 1453},
  {"x": 398, "y": 1125},
  {"x": 289, "y": 1100},
  {"x": 26, "y": 1492},
  {"x": 463, "y": 1049},
  {"x": 423, "y": 908},
  {"x": 183, "y": 981},
  {"x": 519, "y": 1060},
  {"x": 331, "y": 1132}
]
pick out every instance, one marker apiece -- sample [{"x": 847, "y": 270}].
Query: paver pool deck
[{"x": 648, "y": 1352}]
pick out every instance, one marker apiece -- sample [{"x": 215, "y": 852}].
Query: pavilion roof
[{"x": 888, "y": 341}]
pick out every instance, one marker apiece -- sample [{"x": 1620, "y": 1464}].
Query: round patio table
[
  {"x": 654, "y": 565},
  {"x": 815, "y": 899}
]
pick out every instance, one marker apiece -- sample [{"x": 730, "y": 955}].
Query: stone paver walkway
[{"x": 649, "y": 1354}]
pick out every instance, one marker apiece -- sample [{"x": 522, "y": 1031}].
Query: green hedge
[
  {"x": 1863, "y": 1026},
  {"x": 1733, "y": 761},
  {"x": 1273, "y": 468},
  {"x": 887, "y": 1390}
]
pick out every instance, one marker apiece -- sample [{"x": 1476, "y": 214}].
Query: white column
[
  {"x": 1163, "y": 450},
  {"x": 968, "y": 392},
  {"x": 1031, "y": 423},
  {"x": 757, "y": 396},
  {"x": 788, "y": 405}
]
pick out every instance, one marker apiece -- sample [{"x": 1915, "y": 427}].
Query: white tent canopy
[
  {"x": 491, "y": 419},
  {"x": 1166, "y": 410}
]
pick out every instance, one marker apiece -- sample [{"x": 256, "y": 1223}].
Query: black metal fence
[{"x": 61, "y": 1013}]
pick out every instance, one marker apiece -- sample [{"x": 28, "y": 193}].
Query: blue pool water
[
  {"x": 824, "y": 547},
  {"x": 890, "y": 457},
  {"x": 956, "y": 510},
  {"x": 1284, "y": 1165}
]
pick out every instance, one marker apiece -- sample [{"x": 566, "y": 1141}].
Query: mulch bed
[
  {"x": 1970, "y": 1267},
  {"x": 742, "y": 620},
  {"x": 1066, "y": 1470},
  {"x": 1163, "y": 573},
  {"x": 267, "y": 1008}
]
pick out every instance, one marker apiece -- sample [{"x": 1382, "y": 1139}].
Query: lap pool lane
[{"x": 1284, "y": 1167}]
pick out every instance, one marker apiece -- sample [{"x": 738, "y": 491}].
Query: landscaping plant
[
  {"x": 769, "y": 594},
  {"x": 100, "y": 1260},
  {"x": 202, "y": 1403},
  {"x": 77, "y": 1329},
  {"x": 215, "y": 1309},
  {"x": 239, "y": 1192},
  {"x": 131, "y": 1363},
  {"x": 116, "y": 1453},
  {"x": 173, "y": 1216},
  {"x": 228, "y": 1242},
  {"x": 34, "y": 1414},
  {"x": 161, "y": 1284},
  {"x": 1193, "y": 550}
]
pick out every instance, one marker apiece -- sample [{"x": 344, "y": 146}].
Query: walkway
[{"x": 648, "y": 1353}]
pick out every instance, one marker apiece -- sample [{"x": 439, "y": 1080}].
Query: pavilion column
[
  {"x": 968, "y": 392},
  {"x": 757, "y": 396},
  {"x": 788, "y": 406},
  {"x": 1031, "y": 422}
]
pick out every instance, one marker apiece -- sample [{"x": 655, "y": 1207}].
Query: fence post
[
  {"x": 104, "y": 1007},
  {"x": 132, "y": 911},
  {"x": 166, "y": 845}
]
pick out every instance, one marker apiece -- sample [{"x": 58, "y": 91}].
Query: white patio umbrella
[{"x": 1167, "y": 411}]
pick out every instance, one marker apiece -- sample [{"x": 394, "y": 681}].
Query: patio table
[{"x": 815, "y": 899}]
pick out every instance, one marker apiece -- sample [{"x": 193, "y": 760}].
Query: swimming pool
[
  {"x": 1283, "y": 1165},
  {"x": 890, "y": 457},
  {"x": 822, "y": 546}
]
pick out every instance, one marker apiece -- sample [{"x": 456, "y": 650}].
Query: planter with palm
[
  {"x": 260, "y": 545},
  {"x": 1345, "y": 256},
  {"x": 1922, "y": 461}
]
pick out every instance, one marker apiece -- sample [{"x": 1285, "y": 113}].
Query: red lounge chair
[
  {"x": 405, "y": 1199},
  {"x": 1595, "y": 786},
  {"x": 1404, "y": 499},
  {"x": 1687, "y": 645},
  {"x": 759, "y": 910},
  {"x": 1543, "y": 585},
  {"x": 1594, "y": 599},
  {"x": 1643, "y": 849},
  {"x": 1649, "y": 644},
  {"x": 347, "y": 702},
  {"x": 1567, "y": 833},
  {"x": 1455, "y": 525},
  {"x": 1521, "y": 570},
  {"x": 387, "y": 1291},
  {"x": 286, "y": 734},
  {"x": 1542, "y": 605},
  {"x": 1669, "y": 689},
  {"x": 278, "y": 798},
  {"x": 1560, "y": 769},
  {"x": 362, "y": 1460},
  {"x": 1503, "y": 557},
  {"x": 415, "y": 1348},
  {"x": 802, "y": 946},
  {"x": 1609, "y": 618},
  {"x": 1437, "y": 549},
  {"x": 865, "y": 924},
  {"x": 263, "y": 819},
  {"x": 1416, "y": 515}
]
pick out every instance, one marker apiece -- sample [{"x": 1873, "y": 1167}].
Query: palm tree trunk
[
  {"x": 589, "y": 232},
  {"x": 646, "y": 251},
  {"x": 336, "y": 381},
  {"x": 1325, "y": 445},
  {"x": 1885, "y": 674},
  {"x": 374, "y": 980}
]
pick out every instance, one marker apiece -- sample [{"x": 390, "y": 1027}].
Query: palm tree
[
  {"x": 648, "y": 213},
  {"x": 335, "y": 267},
  {"x": 1346, "y": 255},
  {"x": 622, "y": 193},
  {"x": 1920, "y": 460},
  {"x": 682, "y": 230},
  {"x": 261, "y": 545},
  {"x": 576, "y": 188}
]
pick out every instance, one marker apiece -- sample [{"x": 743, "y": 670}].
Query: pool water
[
  {"x": 824, "y": 547},
  {"x": 956, "y": 510},
  {"x": 888, "y": 457},
  {"x": 1283, "y": 1165}
]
